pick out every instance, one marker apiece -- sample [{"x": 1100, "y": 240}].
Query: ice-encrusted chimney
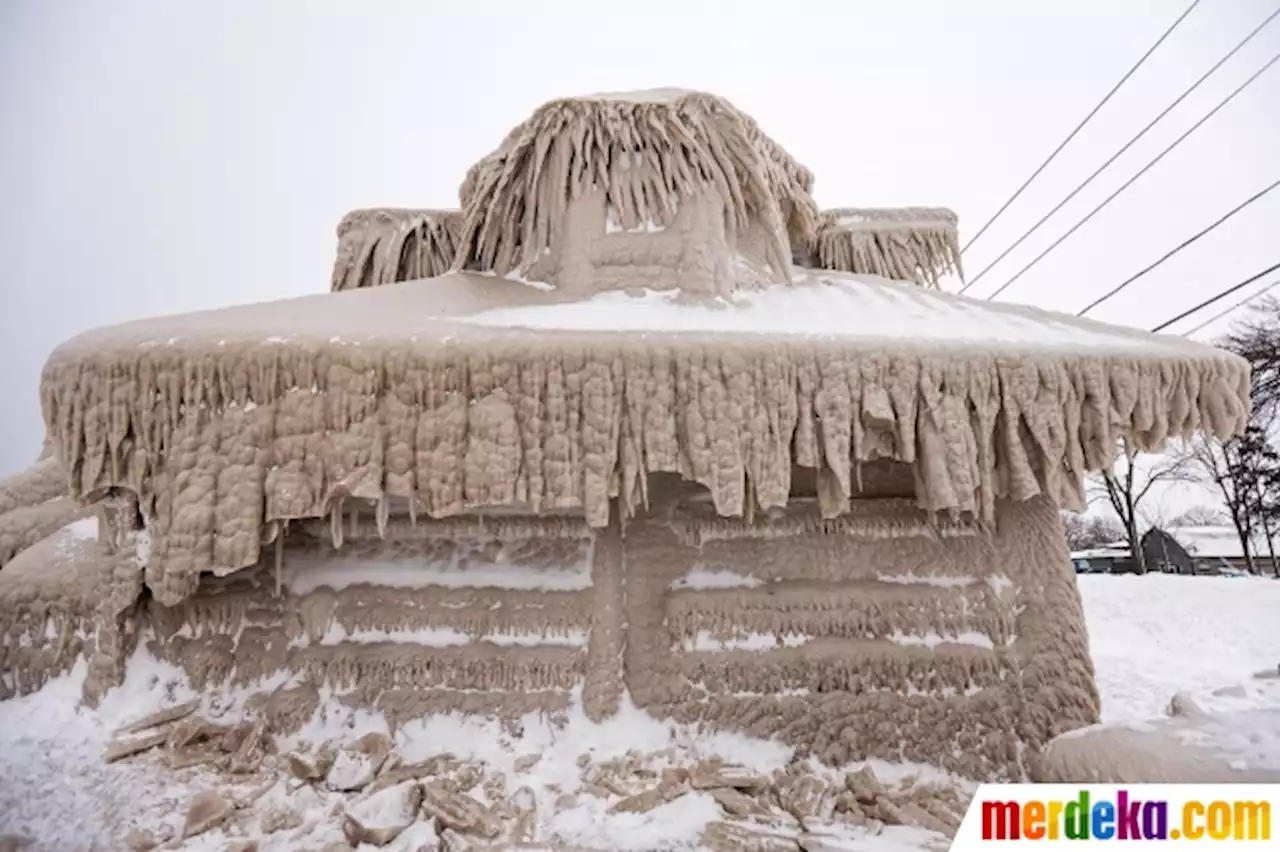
[{"x": 664, "y": 189}]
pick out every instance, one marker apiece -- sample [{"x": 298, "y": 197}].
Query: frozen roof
[
  {"x": 840, "y": 307},
  {"x": 379, "y": 246},
  {"x": 867, "y": 314},
  {"x": 1217, "y": 542},
  {"x": 661, "y": 95},
  {"x": 905, "y": 243},
  {"x": 1102, "y": 553}
]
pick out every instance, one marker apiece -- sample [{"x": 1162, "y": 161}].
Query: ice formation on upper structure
[
  {"x": 565, "y": 194},
  {"x": 636, "y": 357},
  {"x": 911, "y": 243}
]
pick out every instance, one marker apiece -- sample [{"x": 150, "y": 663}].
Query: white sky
[{"x": 162, "y": 157}]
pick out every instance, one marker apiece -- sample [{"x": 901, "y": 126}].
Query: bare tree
[
  {"x": 1085, "y": 531},
  {"x": 1127, "y": 490},
  {"x": 1231, "y": 467},
  {"x": 1262, "y": 475},
  {"x": 1257, "y": 339},
  {"x": 1246, "y": 470},
  {"x": 1201, "y": 516}
]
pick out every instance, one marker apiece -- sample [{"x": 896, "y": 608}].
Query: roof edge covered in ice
[
  {"x": 469, "y": 391},
  {"x": 822, "y": 311},
  {"x": 918, "y": 244},
  {"x": 384, "y": 245}
]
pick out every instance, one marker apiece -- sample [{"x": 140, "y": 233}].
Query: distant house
[
  {"x": 1165, "y": 553},
  {"x": 1181, "y": 550},
  {"x": 1112, "y": 558},
  {"x": 1216, "y": 549}
]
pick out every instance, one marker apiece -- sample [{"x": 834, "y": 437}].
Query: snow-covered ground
[
  {"x": 1151, "y": 637},
  {"x": 1156, "y": 635}
]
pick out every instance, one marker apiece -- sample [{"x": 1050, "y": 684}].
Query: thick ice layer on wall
[
  {"x": 900, "y": 641},
  {"x": 895, "y": 638},
  {"x": 415, "y": 622},
  {"x": 536, "y": 566}
]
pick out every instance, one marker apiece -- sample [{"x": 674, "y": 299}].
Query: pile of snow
[
  {"x": 1158, "y": 634},
  {"x": 1199, "y": 649},
  {"x": 51, "y": 759},
  {"x": 85, "y": 528}
]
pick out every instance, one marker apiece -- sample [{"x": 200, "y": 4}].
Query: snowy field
[
  {"x": 1156, "y": 635},
  {"x": 1151, "y": 637}
]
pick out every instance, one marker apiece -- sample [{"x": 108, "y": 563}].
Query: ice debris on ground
[
  {"x": 632, "y": 782},
  {"x": 202, "y": 775}
]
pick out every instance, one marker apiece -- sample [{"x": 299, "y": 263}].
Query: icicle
[
  {"x": 279, "y": 562},
  {"x": 381, "y": 513},
  {"x": 516, "y": 195},
  {"x": 371, "y": 244},
  {"x": 335, "y": 523},
  {"x": 909, "y": 244},
  {"x": 107, "y": 535}
]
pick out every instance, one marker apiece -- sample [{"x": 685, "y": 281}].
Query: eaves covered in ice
[{"x": 428, "y": 390}]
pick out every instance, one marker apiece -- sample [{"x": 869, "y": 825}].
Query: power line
[
  {"x": 1126, "y": 147},
  {"x": 1141, "y": 172},
  {"x": 1079, "y": 127},
  {"x": 1207, "y": 302},
  {"x": 1240, "y": 304},
  {"x": 1125, "y": 283}
]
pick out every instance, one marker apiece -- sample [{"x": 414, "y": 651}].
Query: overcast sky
[{"x": 163, "y": 157}]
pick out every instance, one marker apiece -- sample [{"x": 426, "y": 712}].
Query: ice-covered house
[{"x": 637, "y": 419}]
